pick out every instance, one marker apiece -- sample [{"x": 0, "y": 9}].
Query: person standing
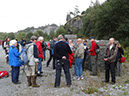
[
  {"x": 6, "y": 48},
  {"x": 61, "y": 55},
  {"x": 32, "y": 54},
  {"x": 110, "y": 60},
  {"x": 85, "y": 53},
  {"x": 52, "y": 45},
  {"x": 14, "y": 57},
  {"x": 79, "y": 55},
  {"x": 40, "y": 51},
  {"x": 93, "y": 56},
  {"x": 23, "y": 41},
  {"x": 44, "y": 47},
  {"x": 119, "y": 55}
]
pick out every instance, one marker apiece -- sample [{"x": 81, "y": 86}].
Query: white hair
[
  {"x": 12, "y": 42},
  {"x": 40, "y": 38}
]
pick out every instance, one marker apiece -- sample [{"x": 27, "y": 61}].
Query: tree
[
  {"x": 20, "y": 35},
  {"x": 36, "y": 34},
  {"x": 11, "y": 35},
  {"x": 61, "y": 30},
  {"x": 40, "y": 32},
  {"x": 28, "y": 36}
]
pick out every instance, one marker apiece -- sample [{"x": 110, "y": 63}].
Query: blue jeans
[
  {"x": 78, "y": 67},
  {"x": 40, "y": 65},
  {"x": 15, "y": 74},
  {"x": 44, "y": 54}
]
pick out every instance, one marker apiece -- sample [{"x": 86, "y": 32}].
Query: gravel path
[{"x": 7, "y": 88}]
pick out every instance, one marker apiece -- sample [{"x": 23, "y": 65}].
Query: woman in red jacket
[{"x": 38, "y": 43}]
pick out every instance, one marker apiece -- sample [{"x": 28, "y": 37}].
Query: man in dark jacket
[
  {"x": 52, "y": 45},
  {"x": 61, "y": 54},
  {"x": 23, "y": 41},
  {"x": 110, "y": 58}
]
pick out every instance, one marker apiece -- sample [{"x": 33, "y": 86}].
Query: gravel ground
[{"x": 78, "y": 88}]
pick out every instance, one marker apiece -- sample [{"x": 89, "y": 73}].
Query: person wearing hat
[
  {"x": 14, "y": 61},
  {"x": 93, "y": 56},
  {"x": 61, "y": 55},
  {"x": 32, "y": 54}
]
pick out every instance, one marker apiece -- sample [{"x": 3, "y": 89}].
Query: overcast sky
[{"x": 19, "y": 14}]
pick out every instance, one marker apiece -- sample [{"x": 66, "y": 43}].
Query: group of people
[{"x": 63, "y": 52}]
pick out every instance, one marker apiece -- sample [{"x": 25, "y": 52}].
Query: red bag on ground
[{"x": 4, "y": 74}]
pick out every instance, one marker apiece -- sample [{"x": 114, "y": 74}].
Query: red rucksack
[{"x": 4, "y": 74}]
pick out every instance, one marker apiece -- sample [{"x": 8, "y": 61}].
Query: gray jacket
[
  {"x": 32, "y": 53},
  {"x": 79, "y": 53}
]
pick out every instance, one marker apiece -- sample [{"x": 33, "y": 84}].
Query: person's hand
[
  {"x": 64, "y": 57},
  {"x": 105, "y": 59},
  {"x": 37, "y": 64}
]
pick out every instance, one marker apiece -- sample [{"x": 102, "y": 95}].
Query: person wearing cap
[
  {"x": 14, "y": 61},
  {"x": 39, "y": 46},
  {"x": 61, "y": 55},
  {"x": 110, "y": 60},
  {"x": 93, "y": 55},
  {"x": 32, "y": 54}
]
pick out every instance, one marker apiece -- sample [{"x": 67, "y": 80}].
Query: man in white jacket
[{"x": 32, "y": 54}]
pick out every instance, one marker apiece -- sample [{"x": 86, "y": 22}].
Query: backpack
[
  {"x": 98, "y": 49},
  {"x": 24, "y": 55}
]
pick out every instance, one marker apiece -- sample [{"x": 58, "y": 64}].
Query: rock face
[
  {"x": 74, "y": 23},
  {"x": 100, "y": 61},
  {"x": 45, "y": 29}
]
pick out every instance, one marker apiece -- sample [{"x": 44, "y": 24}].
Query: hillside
[{"x": 46, "y": 29}]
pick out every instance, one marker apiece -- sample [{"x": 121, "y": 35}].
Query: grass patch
[{"x": 90, "y": 90}]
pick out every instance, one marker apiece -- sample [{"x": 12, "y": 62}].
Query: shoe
[
  {"x": 112, "y": 83},
  {"x": 40, "y": 75},
  {"x": 68, "y": 85},
  {"x": 17, "y": 82},
  {"x": 78, "y": 78},
  {"x": 104, "y": 81},
  {"x": 41, "y": 72},
  {"x": 57, "y": 86},
  {"x": 34, "y": 82},
  {"x": 81, "y": 77}
]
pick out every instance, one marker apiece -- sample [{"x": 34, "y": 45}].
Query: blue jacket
[{"x": 14, "y": 57}]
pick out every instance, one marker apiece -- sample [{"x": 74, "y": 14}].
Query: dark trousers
[
  {"x": 51, "y": 56},
  {"x": 84, "y": 64},
  {"x": 65, "y": 67},
  {"x": 110, "y": 67},
  {"x": 15, "y": 74}
]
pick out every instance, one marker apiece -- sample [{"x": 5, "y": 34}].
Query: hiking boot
[
  {"x": 29, "y": 80},
  {"x": 34, "y": 82},
  {"x": 112, "y": 83}
]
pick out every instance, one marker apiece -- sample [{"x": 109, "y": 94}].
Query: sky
[{"x": 19, "y": 14}]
